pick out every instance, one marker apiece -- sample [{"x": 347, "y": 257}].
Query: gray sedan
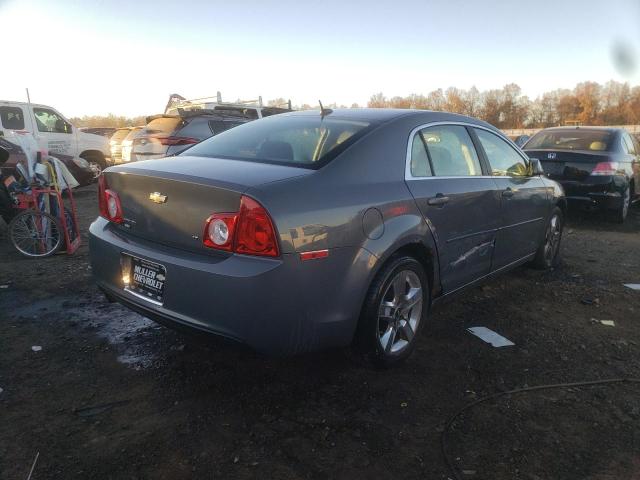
[{"x": 312, "y": 229}]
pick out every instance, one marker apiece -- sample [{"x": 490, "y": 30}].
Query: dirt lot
[{"x": 112, "y": 395}]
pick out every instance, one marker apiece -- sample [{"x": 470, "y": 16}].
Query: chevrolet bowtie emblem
[{"x": 157, "y": 197}]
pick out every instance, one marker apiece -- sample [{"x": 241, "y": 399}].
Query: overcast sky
[{"x": 126, "y": 57}]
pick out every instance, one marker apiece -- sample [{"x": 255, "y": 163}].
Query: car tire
[
  {"x": 620, "y": 214},
  {"x": 548, "y": 254},
  {"x": 97, "y": 163},
  {"x": 395, "y": 308}
]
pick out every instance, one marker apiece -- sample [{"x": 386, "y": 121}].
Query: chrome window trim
[{"x": 407, "y": 167}]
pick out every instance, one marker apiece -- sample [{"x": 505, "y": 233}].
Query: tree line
[
  {"x": 110, "y": 120},
  {"x": 589, "y": 103}
]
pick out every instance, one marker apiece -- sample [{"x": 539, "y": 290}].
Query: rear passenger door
[
  {"x": 524, "y": 200},
  {"x": 457, "y": 199}
]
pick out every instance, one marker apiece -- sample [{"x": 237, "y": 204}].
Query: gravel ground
[{"x": 113, "y": 395}]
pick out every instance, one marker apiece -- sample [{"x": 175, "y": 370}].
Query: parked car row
[{"x": 184, "y": 123}]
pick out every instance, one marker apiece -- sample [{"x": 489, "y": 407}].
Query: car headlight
[{"x": 81, "y": 162}]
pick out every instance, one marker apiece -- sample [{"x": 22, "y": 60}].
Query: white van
[{"x": 54, "y": 132}]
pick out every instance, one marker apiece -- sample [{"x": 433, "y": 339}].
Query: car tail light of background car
[
  {"x": 249, "y": 231},
  {"x": 109, "y": 202},
  {"x": 605, "y": 168}
]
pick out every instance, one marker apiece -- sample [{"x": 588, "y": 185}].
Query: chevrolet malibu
[{"x": 311, "y": 230}]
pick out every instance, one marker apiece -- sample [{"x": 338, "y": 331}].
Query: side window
[
  {"x": 50, "y": 122},
  {"x": 627, "y": 144},
  {"x": 503, "y": 158},
  {"x": 420, "y": 166},
  {"x": 12, "y": 118},
  {"x": 451, "y": 151}
]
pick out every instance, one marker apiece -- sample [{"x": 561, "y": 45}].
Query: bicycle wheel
[{"x": 35, "y": 234}]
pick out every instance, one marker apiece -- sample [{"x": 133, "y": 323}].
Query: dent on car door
[
  {"x": 457, "y": 200},
  {"x": 525, "y": 202}
]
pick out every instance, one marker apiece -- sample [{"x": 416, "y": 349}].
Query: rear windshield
[
  {"x": 305, "y": 141},
  {"x": 120, "y": 134},
  {"x": 133, "y": 133},
  {"x": 165, "y": 125},
  {"x": 594, "y": 140}
]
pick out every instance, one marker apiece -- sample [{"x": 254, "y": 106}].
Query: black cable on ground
[{"x": 443, "y": 439}]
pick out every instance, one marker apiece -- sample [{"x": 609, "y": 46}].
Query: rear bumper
[
  {"x": 277, "y": 306},
  {"x": 603, "y": 194}
]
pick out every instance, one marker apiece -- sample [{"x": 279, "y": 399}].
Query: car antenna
[{"x": 324, "y": 111}]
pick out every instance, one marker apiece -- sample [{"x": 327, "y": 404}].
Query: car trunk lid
[
  {"x": 575, "y": 165},
  {"x": 168, "y": 200}
]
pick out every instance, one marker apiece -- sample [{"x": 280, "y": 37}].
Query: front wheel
[
  {"x": 36, "y": 234},
  {"x": 394, "y": 311},
  {"x": 96, "y": 163},
  {"x": 547, "y": 255}
]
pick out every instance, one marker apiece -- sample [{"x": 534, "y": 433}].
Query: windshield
[
  {"x": 595, "y": 140},
  {"x": 306, "y": 141}
]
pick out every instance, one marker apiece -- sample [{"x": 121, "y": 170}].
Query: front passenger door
[
  {"x": 524, "y": 200},
  {"x": 54, "y": 132}
]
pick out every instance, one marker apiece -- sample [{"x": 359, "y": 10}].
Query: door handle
[
  {"x": 508, "y": 193},
  {"x": 438, "y": 200}
]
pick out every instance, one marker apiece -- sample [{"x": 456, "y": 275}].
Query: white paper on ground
[
  {"x": 608, "y": 323},
  {"x": 36, "y": 348},
  {"x": 633, "y": 286},
  {"x": 489, "y": 336}
]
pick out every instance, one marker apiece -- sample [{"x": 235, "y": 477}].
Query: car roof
[
  {"x": 386, "y": 114},
  {"x": 588, "y": 128},
  {"x": 11, "y": 103}
]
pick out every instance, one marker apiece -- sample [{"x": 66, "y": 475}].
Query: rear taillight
[
  {"x": 219, "y": 230},
  {"x": 109, "y": 202},
  {"x": 605, "y": 168},
  {"x": 249, "y": 232},
  {"x": 176, "y": 140}
]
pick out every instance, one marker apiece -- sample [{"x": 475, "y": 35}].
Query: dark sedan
[
  {"x": 315, "y": 229},
  {"x": 598, "y": 167}
]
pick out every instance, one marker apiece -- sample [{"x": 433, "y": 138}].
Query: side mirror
[{"x": 535, "y": 167}]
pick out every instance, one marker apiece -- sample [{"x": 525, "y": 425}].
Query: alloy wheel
[
  {"x": 96, "y": 168},
  {"x": 400, "y": 312},
  {"x": 552, "y": 240}
]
